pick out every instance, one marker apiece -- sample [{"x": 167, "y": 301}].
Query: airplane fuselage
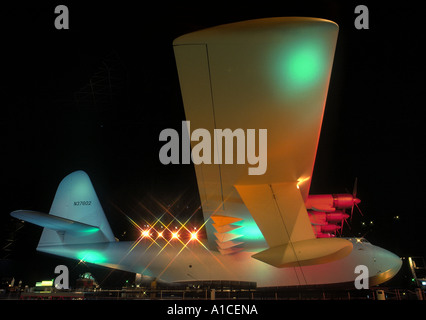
[{"x": 191, "y": 261}]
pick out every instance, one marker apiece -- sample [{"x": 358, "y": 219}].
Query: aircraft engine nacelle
[
  {"x": 346, "y": 200},
  {"x": 325, "y": 229},
  {"x": 321, "y": 218},
  {"x": 325, "y": 224},
  {"x": 330, "y": 228},
  {"x": 336, "y": 217},
  {"x": 331, "y": 202}
]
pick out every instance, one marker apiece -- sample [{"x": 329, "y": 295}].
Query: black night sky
[{"x": 95, "y": 98}]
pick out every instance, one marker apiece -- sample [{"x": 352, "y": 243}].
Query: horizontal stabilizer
[
  {"x": 53, "y": 222},
  {"x": 75, "y": 217}
]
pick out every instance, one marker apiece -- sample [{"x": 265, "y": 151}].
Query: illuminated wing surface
[
  {"x": 260, "y": 74},
  {"x": 278, "y": 208}
]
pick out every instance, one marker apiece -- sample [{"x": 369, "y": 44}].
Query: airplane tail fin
[{"x": 75, "y": 217}]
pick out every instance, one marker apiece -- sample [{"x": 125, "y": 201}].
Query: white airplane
[
  {"x": 266, "y": 74},
  {"x": 76, "y": 228}
]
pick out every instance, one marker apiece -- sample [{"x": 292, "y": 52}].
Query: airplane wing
[
  {"x": 268, "y": 74},
  {"x": 279, "y": 211}
]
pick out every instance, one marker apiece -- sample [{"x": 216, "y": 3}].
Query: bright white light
[
  {"x": 194, "y": 236},
  {"x": 145, "y": 233},
  {"x": 175, "y": 235}
]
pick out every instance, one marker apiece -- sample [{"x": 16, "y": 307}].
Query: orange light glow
[
  {"x": 175, "y": 235},
  {"x": 301, "y": 180}
]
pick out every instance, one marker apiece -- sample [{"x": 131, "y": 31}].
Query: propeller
[
  {"x": 356, "y": 201},
  {"x": 342, "y": 224}
]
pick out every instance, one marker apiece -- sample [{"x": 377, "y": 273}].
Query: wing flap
[{"x": 279, "y": 211}]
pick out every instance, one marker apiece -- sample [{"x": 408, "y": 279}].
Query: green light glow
[
  {"x": 249, "y": 230},
  {"x": 91, "y": 256},
  {"x": 301, "y": 65},
  {"x": 304, "y": 65},
  {"x": 90, "y": 230}
]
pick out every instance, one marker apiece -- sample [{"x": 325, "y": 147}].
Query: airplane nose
[
  {"x": 388, "y": 264},
  {"x": 395, "y": 262},
  {"x": 391, "y": 261}
]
